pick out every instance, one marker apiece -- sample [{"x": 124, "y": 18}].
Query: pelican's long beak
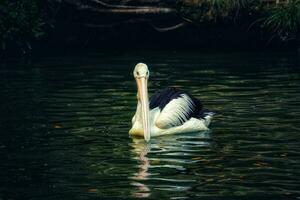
[{"x": 142, "y": 83}]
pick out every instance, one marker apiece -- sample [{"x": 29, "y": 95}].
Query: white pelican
[{"x": 169, "y": 111}]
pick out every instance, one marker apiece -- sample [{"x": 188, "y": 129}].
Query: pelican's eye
[{"x": 137, "y": 73}]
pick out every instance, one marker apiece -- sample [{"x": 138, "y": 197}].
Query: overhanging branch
[
  {"x": 120, "y": 9},
  {"x": 170, "y": 28},
  {"x": 116, "y": 6}
]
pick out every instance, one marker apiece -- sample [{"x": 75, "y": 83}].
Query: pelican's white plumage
[
  {"x": 174, "y": 112},
  {"x": 169, "y": 111}
]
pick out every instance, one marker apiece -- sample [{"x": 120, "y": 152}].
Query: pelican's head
[
  {"x": 141, "y": 71},
  {"x": 141, "y": 75}
]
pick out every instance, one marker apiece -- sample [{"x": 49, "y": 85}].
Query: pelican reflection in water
[
  {"x": 157, "y": 160},
  {"x": 168, "y": 111}
]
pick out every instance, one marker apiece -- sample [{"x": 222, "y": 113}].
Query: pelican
[{"x": 168, "y": 111}]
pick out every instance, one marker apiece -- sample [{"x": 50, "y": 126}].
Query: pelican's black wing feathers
[{"x": 193, "y": 107}]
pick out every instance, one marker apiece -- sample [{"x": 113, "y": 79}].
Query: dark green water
[{"x": 64, "y": 125}]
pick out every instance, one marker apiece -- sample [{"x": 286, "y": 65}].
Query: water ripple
[{"x": 64, "y": 129}]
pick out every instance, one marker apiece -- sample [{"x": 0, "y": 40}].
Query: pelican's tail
[{"x": 207, "y": 116}]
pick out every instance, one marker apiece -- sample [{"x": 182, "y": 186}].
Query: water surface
[{"x": 64, "y": 125}]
